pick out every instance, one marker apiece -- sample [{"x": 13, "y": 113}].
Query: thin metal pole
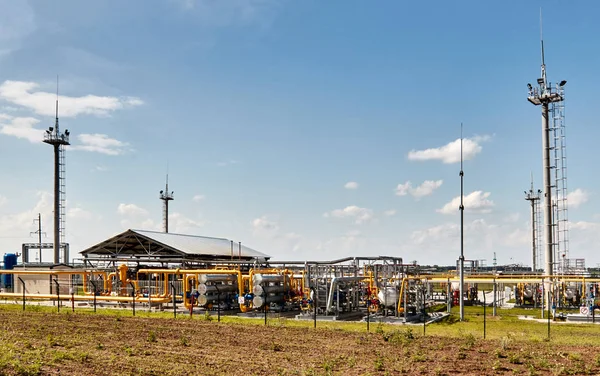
[
  {"x": 548, "y": 303},
  {"x": 314, "y": 307},
  {"x": 265, "y": 305},
  {"x": 218, "y": 304},
  {"x": 462, "y": 242},
  {"x": 132, "y": 297},
  {"x": 368, "y": 313},
  {"x": 174, "y": 303},
  {"x": 484, "y": 305},
  {"x": 495, "y": 299},
  {"x": 424, "y": 310},
  {"x": 57, "y": 294},
  {"x": 95, "y": 292},
  {"x": 23, "y": 283}
]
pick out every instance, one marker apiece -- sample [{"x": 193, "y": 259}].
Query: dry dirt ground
[{"x": 87, "y": 344}]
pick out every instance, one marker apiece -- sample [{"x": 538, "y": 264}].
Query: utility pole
[
  {"x": 533, "y": 197},
  {"x": 39, "y": 232}
]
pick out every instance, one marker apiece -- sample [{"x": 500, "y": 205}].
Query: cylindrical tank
[
  {"x": 569, "y": 293},
  {"x": 203, "y": 278},
  {"x": 528, "y": 291},
  {"x": 388, "y": 296},
  {"x": 260, "y": 278},
  {"x": 10, "y": 260},
  {"x": 258, "y": 301},
  {"x": 203, "y": 288},
  {"x": 260, "y": 290}
]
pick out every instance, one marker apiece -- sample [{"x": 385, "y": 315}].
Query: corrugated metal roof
[
  {"x": 159, "y": 244},
  {"x": 200, "y": 245}
]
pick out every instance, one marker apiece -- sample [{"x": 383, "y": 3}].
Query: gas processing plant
[{"x": 193, "y": 274}]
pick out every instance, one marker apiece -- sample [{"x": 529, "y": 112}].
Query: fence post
[
  {"x": 548, "y": 304},
  {"x": 174, "y": 303},
  {"x": 265, "y": 305},
  {"x": 219, "y": 304},
  {"x": 57, "y": 294},
  {"x": 314, "y": 307},
  {"x": 95, "y": 292},
  {"x": 368, "y": 313},
  {"x": 23, "y": 283},
  {"x": 132, "y": 297},
  {"x": 424, "y": 309},
  {"x": 72, "y": 291},
  {"x": 484, "y": 307},
  {"x": 495, "y": 298}
]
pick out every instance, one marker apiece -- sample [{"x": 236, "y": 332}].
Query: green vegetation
[{"x": 42, "y": 341}]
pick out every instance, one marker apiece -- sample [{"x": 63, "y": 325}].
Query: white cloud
[
  {"x": 3, "y": 200},
  {"x": 231, "y": 13},
  {"x": 198, "y": 198},
  {"x": 131, "y": 210},
  {"x": 577, "y": 197},
  {"x": 181, "y": 224},
  {"x": 265, "y": 227},
  {"x": 351, "y": 185},
  {"x": 21, "y": 127},
  {"x": 17, "y": 20},
  {"x": 22, "y": 223},
  {"x": 450, "y": 153},
  {"x": 475, "y": 202},
  {"x": 424, "y": 189},
  {"x": 227, "y": 163},
  {"x": 441, "y": 243},
  {"x": 389, "y": 213},
  {"x": 100, "y": 143},
  {"x": 584, "y": 225},
  {"x": 41, "y": 102},
  {"x": 359, "y": 215},
  {"x": 78, "y": 213}
]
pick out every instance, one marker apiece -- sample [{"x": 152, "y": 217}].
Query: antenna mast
[
  {"x": 166, "y": 196},
  {"x": 462, "y": 243}
]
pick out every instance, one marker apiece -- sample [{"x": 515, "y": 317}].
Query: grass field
[{"x": 110, "y": 342}]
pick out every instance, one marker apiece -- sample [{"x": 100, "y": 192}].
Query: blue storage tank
[{"x": 10, "y": 260}]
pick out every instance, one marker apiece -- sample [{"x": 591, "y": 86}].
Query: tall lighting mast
[
  {"x": 58, "y": 141},
  {"x": 544, "y": 94}
]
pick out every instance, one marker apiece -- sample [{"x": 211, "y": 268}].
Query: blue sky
[{"x": 264, "y": 110}]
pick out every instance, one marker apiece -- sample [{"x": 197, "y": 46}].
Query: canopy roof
[{"x": 161, "y": 245}]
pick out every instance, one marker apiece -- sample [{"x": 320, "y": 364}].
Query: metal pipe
[
  {"x": 334, "y": 283},
  {"x": 547, "y": 189},
  {"x": 56, "y": 205}
]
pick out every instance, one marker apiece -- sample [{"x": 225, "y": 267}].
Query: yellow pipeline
[{"x": 17, "y": 296}]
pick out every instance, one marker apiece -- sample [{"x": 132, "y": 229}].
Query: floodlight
[{"x": 562, "y": 83}]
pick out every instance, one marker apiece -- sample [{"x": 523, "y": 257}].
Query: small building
[
  {"x": 43, "y": 283},
  {"x": 152, "y": 247}
]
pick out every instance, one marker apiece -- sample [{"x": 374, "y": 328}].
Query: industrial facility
[{"x": 193, "y": 274}]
